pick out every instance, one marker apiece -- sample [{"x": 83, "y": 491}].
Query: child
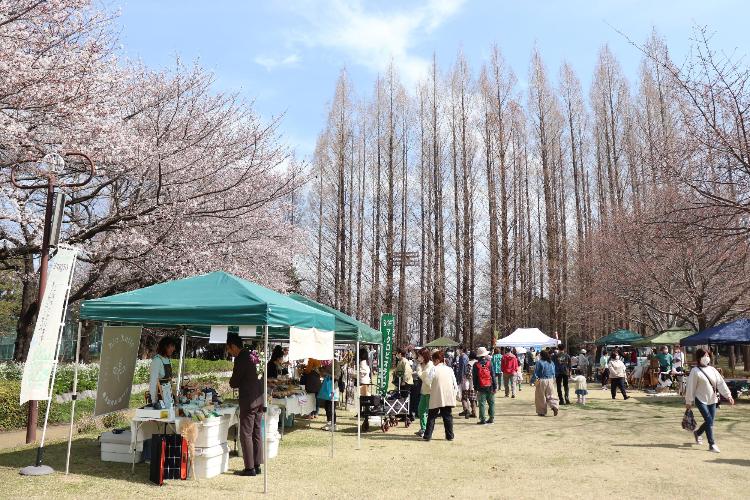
[{"x": 581, "y": 391}]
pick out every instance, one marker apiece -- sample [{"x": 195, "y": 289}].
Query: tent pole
[
  {"x": 179, "y": 369},
  {"x": 333, "y": 397},
  {"x": 73, "y": 400},
  {"x": 265, "y": 413},
  {"x": 357, "y": 408}
]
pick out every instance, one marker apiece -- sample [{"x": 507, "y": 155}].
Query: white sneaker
[
  {"x": 326, "y": 427},
  {"x": 714, "y": 449},
  {"x": 698, "y": 439}
]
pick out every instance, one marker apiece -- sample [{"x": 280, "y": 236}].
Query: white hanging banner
[
  {"x": 43, "y": 348},
  {"x": 218, "y": 334},
  {"x": 310, "y": 343},
  {"x": 248, "y": 331}
]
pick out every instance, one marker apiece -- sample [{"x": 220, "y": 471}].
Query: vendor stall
[
  {"x": 527, "y": 337},
  {"x": 214, "y": 299}
]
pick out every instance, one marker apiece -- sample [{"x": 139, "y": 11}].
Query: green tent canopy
[
  {"x": 443, "y": 342},
  {"x": 619, "y": 337},
  {"x": 670, "y": 336},
  {"x": 347, "y": 329},
  {"x": 216, "y": 298}
]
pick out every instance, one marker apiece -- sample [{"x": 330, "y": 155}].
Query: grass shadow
[
  {"x": 672, "y": 446},
  {"x": 85, "y": 460},
  {"x": 731, "y": 461}
]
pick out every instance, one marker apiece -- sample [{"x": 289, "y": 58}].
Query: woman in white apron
[{"x": 160, "y": 380}]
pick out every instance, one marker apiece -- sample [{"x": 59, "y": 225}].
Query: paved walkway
[{"x": 13, "y": 439}]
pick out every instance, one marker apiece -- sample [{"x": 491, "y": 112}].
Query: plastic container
[
  {"x": 116, "y": 448},
  {"x": 210, "y": 462},
  {"x": 273, "y": 445},
  {"x": 213, "y": 432}
]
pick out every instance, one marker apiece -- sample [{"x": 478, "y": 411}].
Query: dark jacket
[
  {"x": 475, "y": 375},
  {"x": 561, "y": 360},
  {"x": 245, "y": 378}
]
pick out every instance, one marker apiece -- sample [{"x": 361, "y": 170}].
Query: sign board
[
  {"x": 310, "y": 343},
  {"x": 387, "y": 327},
  {"x": 116, "y": 368},
  {"x": 43, "y": 349}
]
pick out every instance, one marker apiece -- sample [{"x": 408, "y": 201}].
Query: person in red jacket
[{"x": 509, "y": 367}]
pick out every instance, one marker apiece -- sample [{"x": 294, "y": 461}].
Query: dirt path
[{"x": 13, "y": 439}]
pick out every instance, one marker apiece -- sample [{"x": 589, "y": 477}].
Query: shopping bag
[{"x": 688, "y": 421}]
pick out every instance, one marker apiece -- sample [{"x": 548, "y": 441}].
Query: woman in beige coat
[{"x": 443, "y": 390}]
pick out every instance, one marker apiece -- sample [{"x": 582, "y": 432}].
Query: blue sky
[{"x": 286, "y": 55}]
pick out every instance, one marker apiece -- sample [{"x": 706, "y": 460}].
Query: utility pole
[{"x": 50, "y": 169}]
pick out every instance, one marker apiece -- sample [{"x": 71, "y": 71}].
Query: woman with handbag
[{"x": 704, "y": 385}]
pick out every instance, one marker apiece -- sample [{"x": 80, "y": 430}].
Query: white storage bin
[
  {"x": 116, "y": 448},
  {"x": 273, "y": 445},
  {"x": 212, "y": 432},
  {"x": 109, "y": 456},
  {"x": 210, "y": 462}
]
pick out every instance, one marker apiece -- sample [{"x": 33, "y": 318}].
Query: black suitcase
[{"x": 169, "y": 458}]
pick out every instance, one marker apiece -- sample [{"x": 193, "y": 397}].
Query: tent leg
[
  {"x": 357, "y": 407},
  {"x": 333, "y": 399},
  {"x": 179, "y": 369},
  {"x": 265, "y": 413},
  {"x": 74, "y": 398}
]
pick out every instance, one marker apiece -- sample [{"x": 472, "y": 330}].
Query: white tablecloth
[{"x": 296, "y": 405}]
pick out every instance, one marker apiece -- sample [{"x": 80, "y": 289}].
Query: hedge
[{"x": 88, "y": 375}]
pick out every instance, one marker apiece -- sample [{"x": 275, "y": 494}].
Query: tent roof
[
  {"x": 666, "y": 337},
  {"x": 348, "y": 329},
  {"x": 527, "y": 337},
  {"x": 442, "y": 342},
  {"x": 619, "y": 337},
  {"x": 216, "y": 298},
  {"x": 734, "y": 332}
]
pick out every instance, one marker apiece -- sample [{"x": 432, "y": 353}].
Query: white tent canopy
[{"x": 527, "y": 337}]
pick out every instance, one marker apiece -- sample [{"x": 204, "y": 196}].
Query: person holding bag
[{"x": 704, "y": 385}]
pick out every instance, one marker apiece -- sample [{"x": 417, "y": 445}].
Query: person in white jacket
[
  {"x": 617, "y": 375},
  {"x": 704, "y": 385},
  {"x": 443, "y": 391}
]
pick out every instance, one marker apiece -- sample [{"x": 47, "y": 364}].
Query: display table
[
  {"x": 211, "y": 432},
  {"x": 294, "y": 405}
]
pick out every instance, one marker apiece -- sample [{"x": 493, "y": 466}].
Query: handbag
[
  {"x": 688, "y": 421},
  {"x": 719, "y": 397}
]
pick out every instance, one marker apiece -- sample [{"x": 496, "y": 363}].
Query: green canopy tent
[
  {"x": 347, "y": 330},
  {"x": 670, "y": 336},
  {"x": 619, "y": 337},
  {"x": 216, "y": 298},
  {"x": 443, "y": 342}
]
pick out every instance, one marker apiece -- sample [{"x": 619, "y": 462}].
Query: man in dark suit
[{"x": 245, "y": 378}]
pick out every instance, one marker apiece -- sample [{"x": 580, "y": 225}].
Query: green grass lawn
[{"x": 635, "y": 447}]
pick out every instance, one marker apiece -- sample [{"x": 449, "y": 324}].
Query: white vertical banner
[
  {"x": 43, "y": 348},
  {"x": 310, "y": 343}
]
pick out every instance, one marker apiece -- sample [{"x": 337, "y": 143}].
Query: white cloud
[
  {"x": 271, "y": 63},
  {"x": 373, "y": 38}
]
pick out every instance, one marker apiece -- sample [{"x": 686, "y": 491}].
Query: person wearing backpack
[
  {"x": 485, "y": 384},
  {"x": 704, "y": 385}
]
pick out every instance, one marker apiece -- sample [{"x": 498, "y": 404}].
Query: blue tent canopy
[{"x": 734, "y": 332}]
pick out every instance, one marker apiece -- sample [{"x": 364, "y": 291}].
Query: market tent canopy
[
  {"x": 670, "y": 336},
  {"x": 619, "y": 337},
  {"x": 734, "y": 332},
  {"x": 347, "y": 329},
  {"x": 442, "y": 342},
  {"x": 216, "y": 298},
  {"x": 527, "y": 337}
]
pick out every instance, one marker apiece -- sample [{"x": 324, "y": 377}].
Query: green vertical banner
[{"x": 387, "y": 327}]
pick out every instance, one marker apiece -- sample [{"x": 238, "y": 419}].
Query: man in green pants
[{"x": 485, "y": 383}]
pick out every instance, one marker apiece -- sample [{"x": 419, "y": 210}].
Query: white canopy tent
[{"x": 527, "y": 337}]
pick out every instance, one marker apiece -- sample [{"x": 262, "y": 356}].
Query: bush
[
  {"x": 88, "y": 375},
  {"x": 114, "y": 420},
  {"x": 13, "y": 415}
]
